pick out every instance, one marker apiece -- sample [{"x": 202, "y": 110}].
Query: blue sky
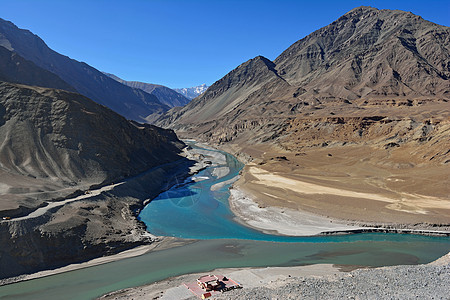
[{"x": 184, "y": 43}]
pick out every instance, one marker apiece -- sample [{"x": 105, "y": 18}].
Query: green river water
[{"x": 192, "y": 210}]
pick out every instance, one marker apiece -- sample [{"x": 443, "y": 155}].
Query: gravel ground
[{"x": 430, "y": 281}]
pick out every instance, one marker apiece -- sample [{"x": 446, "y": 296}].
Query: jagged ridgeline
[{"x": 370, "y": 68}]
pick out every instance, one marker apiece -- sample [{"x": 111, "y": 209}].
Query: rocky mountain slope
[
  {"x": 164, "y": 94},
  {"x": 369, "y": 69},
  {"x": 192, "y": 92},
  {"x": 359, "y": 105},
  {"x": 68, "y": 140},
  {"x": 56, "y": 144},
  {"x": 132, "y": 103}
]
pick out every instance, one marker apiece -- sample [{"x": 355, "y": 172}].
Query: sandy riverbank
[
  {"x": 207, "y": 157},
  {"x": 347, "y": 186},
  {"x": 288, "y": 221},
  {"x": 301, "y": 197},
  {"x": 279, "y": 220}
]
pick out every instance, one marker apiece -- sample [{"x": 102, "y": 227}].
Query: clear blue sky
[{"x": 185, "y": 43}]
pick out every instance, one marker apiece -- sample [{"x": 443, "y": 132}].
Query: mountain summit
[
  {"x": 359, "y": 105},
  {"x": 369, "y": 62},
  {"x": 192, "y": 92},
  {"x": 370, "y": 52}
]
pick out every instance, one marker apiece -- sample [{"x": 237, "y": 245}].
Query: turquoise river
[{"x": 192, "y": 210}]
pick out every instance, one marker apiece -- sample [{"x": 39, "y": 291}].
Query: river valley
[{"x": 198, "y": 209}]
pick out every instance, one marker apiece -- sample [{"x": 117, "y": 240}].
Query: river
[{"x": 193, "y": 210}]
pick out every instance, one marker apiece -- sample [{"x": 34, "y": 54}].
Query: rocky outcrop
[{"x": 52, "y": 133}]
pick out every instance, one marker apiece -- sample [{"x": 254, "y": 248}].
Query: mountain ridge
[
  {"x": 132, "y": 103},
  {"x": 364, "y": 38},
  {"x": 16, "y": 69},
  {"x": 360, "y": 63},
  {"x": 164, "y": 94},
  {"x": 361, "y": 104}
]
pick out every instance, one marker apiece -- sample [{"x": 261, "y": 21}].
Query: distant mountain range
[
  {"x": 132, "y": 103},
  {"x": 164, "y": 94},
  {"x": 23, "y": 53},
  {"x": 192, "y": 92}
]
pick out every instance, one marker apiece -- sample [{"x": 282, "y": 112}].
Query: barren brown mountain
[
  {"x": 69, "y": 141},
  {"x": 57, "y": 145},
  {"x": 361, "y": 105}
]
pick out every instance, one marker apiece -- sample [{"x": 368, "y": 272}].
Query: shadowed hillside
[
  {"x": 57, "y": 145},
  {"x": 62, "y": 139},
  {"x": 16, "y": 69},
  {"x": 131, "y": 103}
]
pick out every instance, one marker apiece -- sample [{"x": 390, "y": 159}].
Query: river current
[{"x": 194, "y": 210}]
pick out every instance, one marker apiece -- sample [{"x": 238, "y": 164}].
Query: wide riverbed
[{"x": 193, "y": 210}]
